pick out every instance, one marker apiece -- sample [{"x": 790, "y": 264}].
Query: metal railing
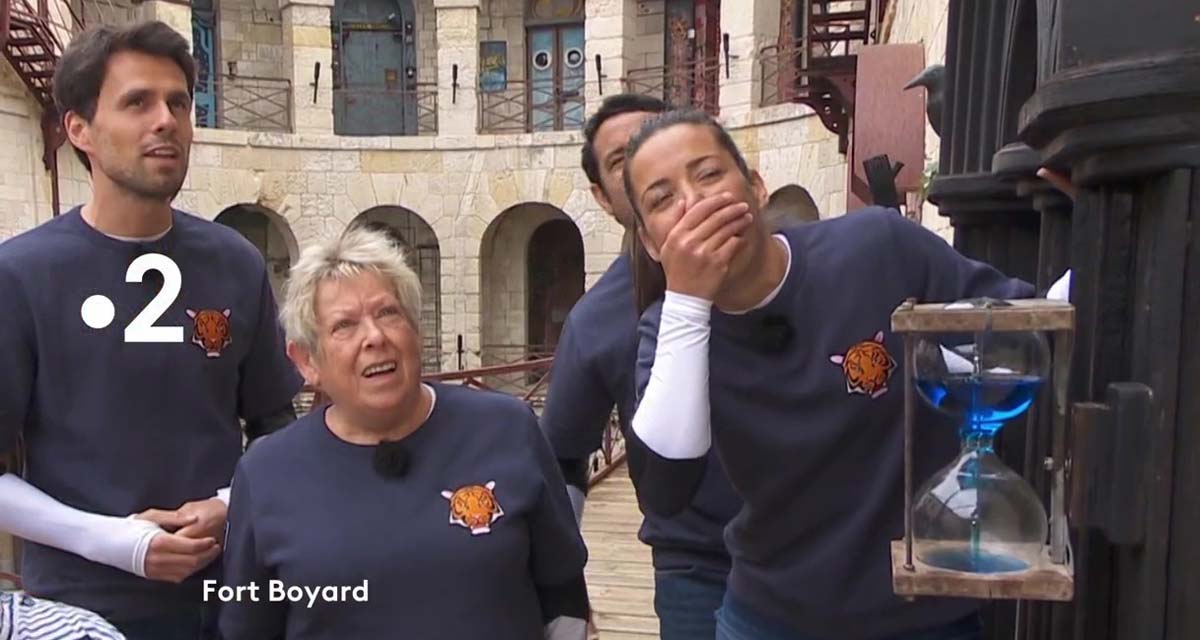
[
  {"x": 825, "y": 84},
  {"x": 523, "y": 106},
  {"x": 787, "y": 75},
  {"x": 692, "y": 84},
  {"x": 246, "y": 103},
  {"x": 59, "y": 17},
  {"x": 35, "y": 34},
  {"x": 388, "y": 110}
]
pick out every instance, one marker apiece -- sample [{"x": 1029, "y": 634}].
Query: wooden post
[
  {"x": 1116, "y": 108},
  {"x": 990, "y": 71}
]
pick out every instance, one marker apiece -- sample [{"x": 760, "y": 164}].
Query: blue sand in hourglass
[
  {"x": 985, "y": 401},
  {"x": 974, "y": 561}
]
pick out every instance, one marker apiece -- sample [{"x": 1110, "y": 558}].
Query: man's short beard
[{"x": 147, "y": 190}]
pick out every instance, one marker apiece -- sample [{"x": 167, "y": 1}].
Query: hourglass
[{"x": 976, "y": 528}]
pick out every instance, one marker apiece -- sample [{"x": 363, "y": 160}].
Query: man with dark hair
[
  {"x": 789, "y": 205},
  {"x": 775, "y": 351},
  {"x": 129, "y": 397},
  {"x": 593, "y": 372}
]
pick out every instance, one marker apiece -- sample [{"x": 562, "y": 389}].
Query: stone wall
[
  {"x": 319, "y": 184},
  {"x": 644, "y": 47},
  {"x": 787, "y": 144},
  {"x": 426, "y": 24},
  {"x": 251, "y": 33},
  {"x": 505, "y": 20},
  {"x": 25, "y": 189},
  {"x": 20, "y": 155}
]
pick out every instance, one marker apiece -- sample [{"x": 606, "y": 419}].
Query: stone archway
[
  {"x": 531, "y": 274},
  {"x": 268, "y": 231},
  {"x": 417, "y": 239}
]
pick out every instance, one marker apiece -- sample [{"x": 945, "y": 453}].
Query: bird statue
[{"x": 933, "y": 78}]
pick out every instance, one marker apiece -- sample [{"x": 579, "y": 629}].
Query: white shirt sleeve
[
  {"x": 673, "y": 417},
  {"x": 28, "y": 513},
  {"x": 1061, "y": 289}
]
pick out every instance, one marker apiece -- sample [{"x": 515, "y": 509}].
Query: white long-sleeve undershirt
[
  {"x": 673, "y": 418},
  {"x": 30, "y": 514}
]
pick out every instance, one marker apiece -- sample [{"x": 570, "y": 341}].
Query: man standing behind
[
  {"x": 134, "y": 338},
  {"x": 593, "y": 372}
]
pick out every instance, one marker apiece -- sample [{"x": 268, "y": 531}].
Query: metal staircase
[
  {"x": 816, "y": 59},
  {"x": 32, "y": 36}
]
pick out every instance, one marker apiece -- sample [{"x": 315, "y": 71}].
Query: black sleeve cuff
[
  {"x": 575, "y": 472},
  {"x": 665, "y": 487},
  {"x": 569, "y": 600},
  {"x": 269, "y": 423}
]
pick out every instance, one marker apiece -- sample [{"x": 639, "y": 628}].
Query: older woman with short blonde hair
[{"x": 401, "y": 508}]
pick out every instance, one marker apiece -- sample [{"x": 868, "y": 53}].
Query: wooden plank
[
  {"x": 1035, "y": 314},
  {"x": 623, "y": 635},
  {"x": 612, "y": 580},
  {"x": 606, "y": 622},
  {"x": 1183, "y": 581},
  {"x": 619, "y": 573},
  {"x": 1101, "y": 253},
  {"x": 1161, "y": 237},
  {"x": 622, "y": 599},
  {"x": 1044, "y": 581}
]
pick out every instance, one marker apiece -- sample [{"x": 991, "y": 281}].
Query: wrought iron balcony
[
  {"x": 523, "y": 106},
  {"x": 246, "y": 103},
  {"x": 691, "y": 84},
  {"x": 366, "y": 110}
]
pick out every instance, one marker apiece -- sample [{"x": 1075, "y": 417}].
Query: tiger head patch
[
  {"x": 474, "y": 507},
  {"x": 867, "y": 366},
  {"x": 210, "y": 330}
]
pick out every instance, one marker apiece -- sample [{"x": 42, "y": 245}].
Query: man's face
[
  {"x": 686, "y": 163},
  {"x": 609, "y": 147},
  {"x": 141, "y": 133}
]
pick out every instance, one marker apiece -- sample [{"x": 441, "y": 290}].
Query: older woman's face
[{"x": 370, "y": 357}]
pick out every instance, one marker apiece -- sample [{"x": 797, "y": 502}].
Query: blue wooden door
[
  {"x": 571, "y": 71},
  {"x": 542, "y": 103},
  {"x": 377, "y": 75},
  {"x": 205, "y": 53},
  {"x": 556, "y": 77}
]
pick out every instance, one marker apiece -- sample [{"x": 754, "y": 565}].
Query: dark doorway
[{"x": 555, "y": 266}]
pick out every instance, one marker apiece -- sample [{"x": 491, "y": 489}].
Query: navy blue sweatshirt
[
  {"x": 810, "y": 428},
  {"x": 476, "y": 540},
  {"x": 115, "y": 427},
  {"x": 593, "y": 371}
]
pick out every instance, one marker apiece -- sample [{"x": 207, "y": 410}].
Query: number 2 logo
[{"x": 142, "y": 327}]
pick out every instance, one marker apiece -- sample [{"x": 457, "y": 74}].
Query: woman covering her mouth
[{"x": 445, "y": 502}]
